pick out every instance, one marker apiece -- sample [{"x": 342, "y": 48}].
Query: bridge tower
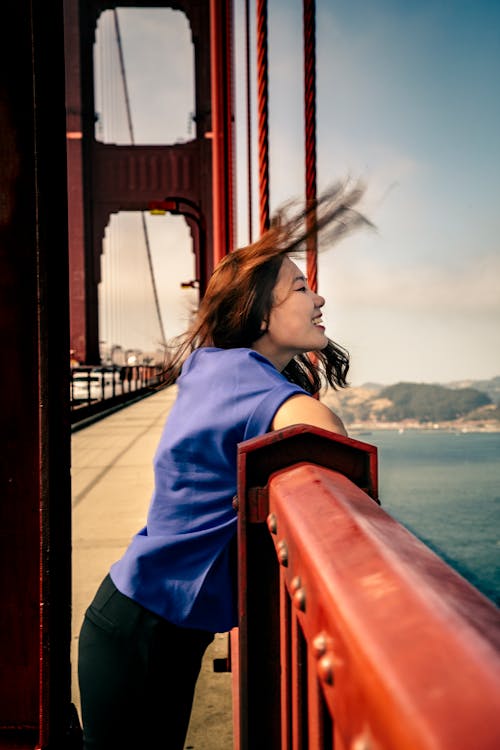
[
  {"x": 106, "y": 178},
  {"x": 36, "y": 249}
]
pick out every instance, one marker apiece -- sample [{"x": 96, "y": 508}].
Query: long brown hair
[{"x": 239, "y": 295}]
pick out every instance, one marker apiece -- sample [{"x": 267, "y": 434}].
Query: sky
[{"x": 407, "y": 102}]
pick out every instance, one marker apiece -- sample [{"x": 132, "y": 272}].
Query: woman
[{"x": 145, "y": 633}]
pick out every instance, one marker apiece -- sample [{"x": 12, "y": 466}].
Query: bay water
[{"x": 445, "y": 488}]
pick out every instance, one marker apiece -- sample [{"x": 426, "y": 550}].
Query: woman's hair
[{"x": 239, "y": 295}]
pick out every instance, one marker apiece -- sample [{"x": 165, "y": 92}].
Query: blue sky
[{"x": 408, "y": 102}]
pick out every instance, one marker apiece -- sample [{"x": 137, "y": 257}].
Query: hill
[
  {"x": 491, "y": 386},
  {"x": 418, "y": 405}
]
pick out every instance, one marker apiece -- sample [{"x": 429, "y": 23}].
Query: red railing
[{"x": 353, "y": 634}]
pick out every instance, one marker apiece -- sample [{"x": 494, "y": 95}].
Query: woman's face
[{"x": 295, "y": 324}]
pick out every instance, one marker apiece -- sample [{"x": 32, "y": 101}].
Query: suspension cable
[
  {"x": 132, "y": 140},
  {"x": 249, "y": 121},
  {"x": 309, "y": 8},
  {"x": 263, "y": 120}
]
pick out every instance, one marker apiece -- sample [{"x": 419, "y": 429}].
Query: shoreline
[{"x": 409, "y": 425}]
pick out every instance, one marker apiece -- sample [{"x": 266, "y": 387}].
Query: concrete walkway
[{"x": 112, "y": 478}]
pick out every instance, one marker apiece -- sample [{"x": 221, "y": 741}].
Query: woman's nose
[{"x": 319, "y": 301}]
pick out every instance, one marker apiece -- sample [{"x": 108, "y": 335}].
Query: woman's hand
[{"x": 302, "y": 409}]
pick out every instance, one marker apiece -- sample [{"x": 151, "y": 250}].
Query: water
[{"x": 445, "y": 488}]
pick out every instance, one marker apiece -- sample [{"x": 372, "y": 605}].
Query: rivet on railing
[
  {"x": 272, "y": 523},
  {"x": 295, "y": 584},
  {"x": 283, "y": 553},
  {"x": 299, "y": 599},
  {"x": 319, "y": 645},
  {"x": 325, "y": 669},
  {"x": 361, "y": 742}
]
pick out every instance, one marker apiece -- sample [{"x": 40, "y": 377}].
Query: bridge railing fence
[
  {"x": 353, "y": 634},
  {"x": 97, "y": 389}
]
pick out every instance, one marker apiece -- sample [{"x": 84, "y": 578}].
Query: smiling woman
[
  {"x": 242, "y": 369},
  {"x": 294, "y": 325}
]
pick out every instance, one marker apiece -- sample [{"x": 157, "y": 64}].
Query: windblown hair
[{"x": 239, "y": 295}]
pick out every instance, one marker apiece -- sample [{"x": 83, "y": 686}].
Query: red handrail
[{"x": 353, "y": 634}]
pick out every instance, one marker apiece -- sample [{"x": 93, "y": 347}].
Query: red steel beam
[
  {"x": 35, "y": 481},
  {"x": 221, "y": 66}
]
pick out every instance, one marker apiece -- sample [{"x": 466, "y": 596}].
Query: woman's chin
[{"x": 322, "y": 339}]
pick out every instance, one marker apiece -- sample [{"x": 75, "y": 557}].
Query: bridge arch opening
[
  {"x": 128, "y": 318},
  {"x": 145, "y": 56}
]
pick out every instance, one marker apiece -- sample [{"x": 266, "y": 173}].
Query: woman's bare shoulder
[{"x": 303, "y": 409}]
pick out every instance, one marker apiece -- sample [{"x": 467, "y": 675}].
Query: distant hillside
[
  {"x": 491, "y": 387},
  {"x": 430, "y": 403},
  {"x": 417, "y": 404}
]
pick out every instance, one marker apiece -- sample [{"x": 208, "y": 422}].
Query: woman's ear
[{"x": 264, "y": 326}]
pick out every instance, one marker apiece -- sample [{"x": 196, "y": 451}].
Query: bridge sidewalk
[{"x": 112, "y": 480}]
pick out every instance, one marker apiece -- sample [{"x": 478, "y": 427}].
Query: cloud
[{"x": 471, "y": 286}]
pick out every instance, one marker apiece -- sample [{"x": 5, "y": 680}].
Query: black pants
[{"x": 137, "y": 675}]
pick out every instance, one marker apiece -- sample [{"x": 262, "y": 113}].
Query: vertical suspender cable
[
  {"x": 123, "y": 76},
  {"x": 263, "y": 120},
  {"x": 153, "y": 282},
  {"x": 309, "y": 8},
  {"x": 228, "y": 125},
  {"x": 132, "y": 140},
  {"x": 249, "y": 121}
]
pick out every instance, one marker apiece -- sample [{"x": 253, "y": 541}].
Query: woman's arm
[{"x": 302, "y": 409}]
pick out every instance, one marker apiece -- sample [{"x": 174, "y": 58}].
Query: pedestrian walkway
[{"x": 112, "y": 479}]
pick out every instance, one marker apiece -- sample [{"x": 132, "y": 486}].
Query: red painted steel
[
  {"x": 221, "y": 63},
  {"x": 105, "y": 178},
  {"x": 248, "y": 122},
  {"x": 258, "y": 691},
  {"x": 410, "y": 655},
  {"x": 309, "y": 30},
  {"x": 229, "y": 117},
  {"x": 76, "y": 218},
  {"x": 216, "y": 136},
  {"x": 35, "y": 513},
  {"x": 35, "y": 507},
  {"x": 262, "y": 115},
  {"x": 133, "y": 178},
  {"x": 259, "y": 457},
  {"x": 382, "y": 645}
]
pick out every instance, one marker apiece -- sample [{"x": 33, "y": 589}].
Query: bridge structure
[
  {"x": 193, "y": 179},
  {"x": 335, "y": 672}
]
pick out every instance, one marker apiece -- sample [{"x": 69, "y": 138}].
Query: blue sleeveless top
[{"x": 180, "y": 564}]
